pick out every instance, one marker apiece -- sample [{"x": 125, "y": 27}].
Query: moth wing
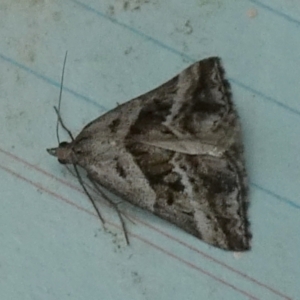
[
  {"x": 193, "y": 108},
  {"x": 187, "y": 142},
  {"x": 203, "y": 195},
  {"x": 176, "y": 151}
]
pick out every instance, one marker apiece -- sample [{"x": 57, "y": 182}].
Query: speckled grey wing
[
  {"x": 176, "y": 151},
  {"x": 189, "y": 148},
  {"x": 199, "y": 193}
]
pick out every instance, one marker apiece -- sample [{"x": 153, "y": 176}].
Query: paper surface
[{"x": 52, "y": 245}]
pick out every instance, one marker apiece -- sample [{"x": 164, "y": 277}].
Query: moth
[{"x": 175, "y": 151}]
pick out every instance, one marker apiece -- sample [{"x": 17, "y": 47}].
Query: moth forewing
[{"x": 177, "y": 152}]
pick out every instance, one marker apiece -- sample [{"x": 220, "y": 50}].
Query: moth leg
[
  {"x": 124, "y": 214},
  {"x": 74, "y": 174},
  {"x": 88, "y": 194},
  {"x": 114, "y": 205}
]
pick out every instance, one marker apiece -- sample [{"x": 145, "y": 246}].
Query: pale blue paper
[{"x": 51, "y": 248}]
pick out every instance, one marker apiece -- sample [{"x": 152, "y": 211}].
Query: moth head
[{"x": 63, "y": 152}]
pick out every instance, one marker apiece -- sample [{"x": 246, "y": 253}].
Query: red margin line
[
  {"x": 132, "y": 234},
  {"x": 209, "y": 257}
]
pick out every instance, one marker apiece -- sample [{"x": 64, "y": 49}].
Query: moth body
[{"x": 177, "y": 152}]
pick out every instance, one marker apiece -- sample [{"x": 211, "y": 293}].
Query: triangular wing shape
[{"x": 177, "y": 152}]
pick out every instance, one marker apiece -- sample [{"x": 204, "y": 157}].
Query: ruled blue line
[
  {"x": 265, "y": 97},
  {"x": 274, "y": 195},
  {"x": 176, "y": 52},
  {"x": 57, "y": 85},
  {"x": 276, "y": 12},
  {"x": 102, "y": 108},
  {"x": 81, "y": 97},
  {"x": 183, "y": 55},
  {"x": 133, "y": 30},
  {"x": 51, "y": 81}
]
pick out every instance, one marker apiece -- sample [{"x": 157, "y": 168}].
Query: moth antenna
[
  {"x": 88, "y": 194},
  {"x": 62, "y": 124},
  {"x": 57, "y": 109},
  {"x": 115, "y": 206}
]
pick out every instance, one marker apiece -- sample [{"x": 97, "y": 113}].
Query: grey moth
[{"x": 175, "y": 151}]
